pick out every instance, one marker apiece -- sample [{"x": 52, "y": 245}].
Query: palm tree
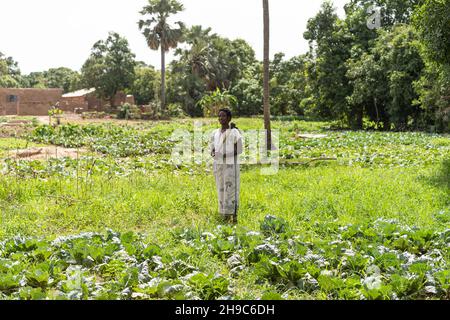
[
  {"x": 266, "y": 74},
  {"x": 203, "y": 57},
  {"x": 198, "y": 56},
  {"x": 160, "y": 34}
]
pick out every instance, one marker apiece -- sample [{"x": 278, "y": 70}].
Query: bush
[
  {"x": 153, "y": 112},
  {"x": 93, "y": 115},
  {"x": 34, "y": 122},
  {"x": 175, "y": 110},
  {"x": 129, "y": 111},
  {"x": 211, "y": 103}
]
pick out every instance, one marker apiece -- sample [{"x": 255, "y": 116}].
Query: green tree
[
  {"x": 110, "y": 67},
  {"x": 159, "y": 34},
  {"x": 218, "y": 61},
  {"x": 143, "y": 87},
  {"x": 370, "y": 92},
  {"x": 432, "y": 20},
  {"x": 249, "y": 90},
  {"x": 62, "y": 78},
  {"x": 350, "y": 71},
  {"x": 75, "y": 82},
  {"x": 383, "y": 79},
  {"x": 208, "y": 62},
  {"x": 392, "y": 11},
  {"x": 405, "y": 66},
  {"x": 330, "y": 47},
  {"x": 433, "y": 89},
  {"x": 362, "y": 37},
  {"x": 35, "y": 79},
  {"x": 191, "y": 70},
  {"x": 9, "y": 72},
  {"x": 288, "y": 82}
]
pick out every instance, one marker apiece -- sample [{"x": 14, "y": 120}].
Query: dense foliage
[
  {"x": 63, "y": 78},
  {"x": 110, "y": 67},
  {"x": 9, "y": 72}
]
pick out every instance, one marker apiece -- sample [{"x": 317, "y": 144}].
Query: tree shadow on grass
[{"x": 442, "y": 178}]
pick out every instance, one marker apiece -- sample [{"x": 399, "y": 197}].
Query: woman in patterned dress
[{"x": 225, "y": 146}]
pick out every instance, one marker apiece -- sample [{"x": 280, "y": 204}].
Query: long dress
[{"x": 227, "y": 172}]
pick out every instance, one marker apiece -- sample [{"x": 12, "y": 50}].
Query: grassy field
[{"x": 124, "y": 222}]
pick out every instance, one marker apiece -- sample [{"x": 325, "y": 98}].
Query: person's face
[{"x": 223, "y": 118}]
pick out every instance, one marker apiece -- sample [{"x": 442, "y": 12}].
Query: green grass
[{"x": 163, "y": 200}]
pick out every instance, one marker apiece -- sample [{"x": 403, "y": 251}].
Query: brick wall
[
  {"x": 70, "y": 103},
  {"x": 28, "y": 102},
  {"x": 97, "y": 104},
  {"x": 130, "y": 99}
]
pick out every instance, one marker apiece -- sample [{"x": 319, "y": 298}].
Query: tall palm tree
[
  {"x": 160, "y": 34},
  {"x": 198, "y": 56},
  {"x": 266, "y": 74}
]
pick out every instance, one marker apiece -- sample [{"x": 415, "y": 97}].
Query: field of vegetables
[{"x": 122, "y": 221}]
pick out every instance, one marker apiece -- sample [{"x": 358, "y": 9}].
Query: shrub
[
  {"x": 175, "y": 110},
  {"x": 93, "y": 115},
  {"x": 129, "y": 111},
  {"x": 213, "y": 102}
]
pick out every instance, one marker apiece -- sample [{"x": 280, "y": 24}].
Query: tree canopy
[{"x": 110, "y": 67}]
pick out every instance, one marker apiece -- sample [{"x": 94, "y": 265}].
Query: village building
[
  {"x": 28, "y": 102},
  {"x": 85, "y": 100},
  {"x": 37, "y": 102}
]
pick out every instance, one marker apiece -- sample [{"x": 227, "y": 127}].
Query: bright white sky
[{"x": 43, "y": 34}]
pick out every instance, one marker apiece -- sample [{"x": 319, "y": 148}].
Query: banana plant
[{"x": 213, "y": 102}]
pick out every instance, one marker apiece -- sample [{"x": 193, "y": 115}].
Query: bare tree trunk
[
  {"x": 267, "y": 74},
  {"x": 163, "y": 79},
  {"x": 376, "y": 109},
  {"x": 111, "y": 102}
]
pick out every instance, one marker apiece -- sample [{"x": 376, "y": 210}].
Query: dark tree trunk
[
  {"x": 112, "y": 100},
  {"x": 163, "y": 79},
  {"x": 267, "y": 73},
  {"x": 359, "y": 118}
]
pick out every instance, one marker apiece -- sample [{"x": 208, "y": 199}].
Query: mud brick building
[
  {"x": 28, "y": 102},
  {"x": 37, "y": 102},
  {"x": 78, "y": 100},
  {"x": 86, "y": 100}
]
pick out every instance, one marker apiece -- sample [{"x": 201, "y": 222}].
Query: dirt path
[
  {"x": 44, "y": 153},
  {"x": 42, "y": 119},
  {"x": 66, "y": 117},
  {"x": 311, "y": 136}
]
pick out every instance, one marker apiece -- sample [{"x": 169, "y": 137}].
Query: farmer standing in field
[{"x": 226, "y": 145}]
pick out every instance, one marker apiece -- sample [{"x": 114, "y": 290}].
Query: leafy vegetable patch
[{"x": 381, "y": 260}]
